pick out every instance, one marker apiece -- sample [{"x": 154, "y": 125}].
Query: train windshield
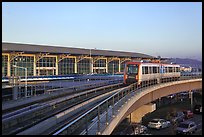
[{"x": 132, "y": 69}]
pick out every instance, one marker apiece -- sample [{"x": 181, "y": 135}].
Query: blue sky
[{"x": 165, "y": 29}]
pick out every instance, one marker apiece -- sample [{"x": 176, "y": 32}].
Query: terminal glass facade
[
  {"x": 46, "y": 66},
  {"x": 84, "y": 66},
  {"x": 4, "y": 65},
  {"x": 113, "y": 66},
  {"x": 47, "y": 62},
  {"x": 99, "y": 66},
  {"x": 22, "y": 61},
  {"x": 66, "y": 66}
]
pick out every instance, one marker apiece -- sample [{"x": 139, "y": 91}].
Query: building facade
[{"x": 40, "y": 60}]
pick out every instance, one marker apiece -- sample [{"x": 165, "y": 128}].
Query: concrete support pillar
[
  {"x": 159, "y": 102},
  {"x": 136, "y": 116}
]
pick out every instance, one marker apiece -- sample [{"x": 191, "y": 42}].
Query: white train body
[{"x": 140, "y": 72}]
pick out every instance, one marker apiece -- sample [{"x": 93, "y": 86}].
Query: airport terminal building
[{"x": 41, "y": 60}]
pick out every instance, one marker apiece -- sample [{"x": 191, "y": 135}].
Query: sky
[{"x": 166, "y": 29}]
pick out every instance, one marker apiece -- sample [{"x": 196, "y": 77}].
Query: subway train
[{"x": 153, "y": 72}]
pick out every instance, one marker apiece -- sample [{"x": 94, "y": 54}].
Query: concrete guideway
[
  {"x": 118, "y": 101},
  {"x": 52, "y": 121},
  {"x": 147, "y": 95},
  {"x": 50, "y": 107}
]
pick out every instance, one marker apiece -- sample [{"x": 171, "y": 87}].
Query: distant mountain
[{"x": 187, "y": 62}]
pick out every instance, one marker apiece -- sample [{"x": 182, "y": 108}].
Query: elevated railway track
[
  {"x": 15, "y": 122},
  {"x": 71, "y": 114}
]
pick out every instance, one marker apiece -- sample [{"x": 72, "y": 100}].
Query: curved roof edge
[{"x": 35, "y": 48}]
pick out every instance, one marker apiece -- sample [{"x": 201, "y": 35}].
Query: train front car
[{"x": 131, "y": 72}]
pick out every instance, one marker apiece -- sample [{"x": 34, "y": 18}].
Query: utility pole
[{"x": 25, "y": 78}]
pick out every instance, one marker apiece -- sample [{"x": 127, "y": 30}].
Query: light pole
[
  {"x": 25, "y": 78},
  {"x": 191, "y": 97}
]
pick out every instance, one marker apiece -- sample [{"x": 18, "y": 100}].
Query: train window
[
  {"x": 143, "y": 70},
  {"x": 166, "y": 69},
  {"x": 150, "y": 70},
  {"x": 132, "y": 69},
  {"x": 154, "y": 69},
  {"x": 170, "y": 69},
  {"x": 177, "y": 69},
  {"x": 146, "y": 70}
]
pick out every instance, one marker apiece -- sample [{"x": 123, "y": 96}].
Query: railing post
[
  {"x": 107, "y": 112},
  {"x": 113, "y": 107},
  {"x": 98, "y": 121},
  {"x": 118, "y": 97},
  {"x": 86, "y": 125}
]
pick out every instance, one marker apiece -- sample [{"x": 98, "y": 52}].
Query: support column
[
  {"x": 34, "y": 66},
  {"x": 8, "y": 66},
  {"x": 75, "y": 66},
  {"x": 106, "y": 65},
  {"x": 159, "y": 102},
  {"x": 119, "y": 65},
  {"x": 136, "y": 115},
  {"x": 91, "y": 65},
  {"x": 56, "y": 64}
]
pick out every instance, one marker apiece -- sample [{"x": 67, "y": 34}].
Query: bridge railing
[{"x": 95, "y": 121}]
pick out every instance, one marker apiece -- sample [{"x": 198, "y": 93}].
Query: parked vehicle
[
  {"x": 139, "y": 129},
  {"x": 158, "y": 123},
  {"x": 188, "y": 114},
  {"x": 177, "y": 117},
  {"x": 183, "y": 95},
  {"x": 197, "y": 109},
  {"x": 186, "y": 127},
  {"x": 171, "y": 96}
]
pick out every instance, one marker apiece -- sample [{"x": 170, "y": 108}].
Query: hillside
[{"x": 187, "y": 62}]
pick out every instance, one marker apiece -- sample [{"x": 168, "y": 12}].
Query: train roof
[{"x": 151, "y": 63}]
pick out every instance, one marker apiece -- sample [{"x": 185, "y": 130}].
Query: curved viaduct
[{"x": 149, "y": 95}]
